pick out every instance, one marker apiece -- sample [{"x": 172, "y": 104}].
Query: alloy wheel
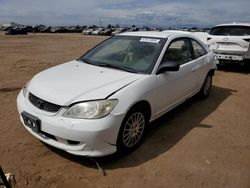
[{"x": 133, "y": 129}]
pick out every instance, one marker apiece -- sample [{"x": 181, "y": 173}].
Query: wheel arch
[
  {"x": 145, "y": 106},
  {"x": 211, "y": 72}
]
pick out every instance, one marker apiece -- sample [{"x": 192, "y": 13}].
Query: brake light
[{"x": 248, "y": 40}]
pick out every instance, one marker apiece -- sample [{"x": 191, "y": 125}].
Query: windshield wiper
[{"x": 127, "y": 69}]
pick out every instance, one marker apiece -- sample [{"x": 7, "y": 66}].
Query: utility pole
[{"x": 100, "y": 22}]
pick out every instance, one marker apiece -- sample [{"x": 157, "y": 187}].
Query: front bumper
[{"x": 94, "y": 137}]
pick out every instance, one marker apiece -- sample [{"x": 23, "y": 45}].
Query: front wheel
[
  {"x": 206, "y": 87},
  {"x": 132, "y": 131}
]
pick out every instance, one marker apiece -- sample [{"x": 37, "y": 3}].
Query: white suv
[{"x": 230, "y": 42}]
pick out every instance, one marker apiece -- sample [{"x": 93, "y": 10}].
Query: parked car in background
[
  {"x": 87, "y": 31},
  {"x": 37, "y": 28},
  {"x": 133, "y": 29},
  {"x": 45, "y": 29},
  {"x": 16, "y": 31},
  {"x": 27, "y": 28},
  {"x": 107, "y": 31},
  {"x": 230, "y": 42},
  {"x": 59, "y": 30},
  {"x": 102, "y": 102},
  {"x": 76, "y": 29},
  {"x": 119, "y": 30},
  {"x": 97, "y": 31}
]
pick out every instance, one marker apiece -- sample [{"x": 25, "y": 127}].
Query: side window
[
  {"x": 198, "y": 49},
  {"x": 179, "y": 51}
]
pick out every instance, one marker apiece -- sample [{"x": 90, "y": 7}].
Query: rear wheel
[
  {"x": 206, "y": 87},
  {"x": 132, "y": 131}
]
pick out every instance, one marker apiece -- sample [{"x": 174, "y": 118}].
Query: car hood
[{"x": 77, "y": 81}]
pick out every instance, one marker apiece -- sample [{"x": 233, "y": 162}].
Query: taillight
[
  {"x": 248, "y": 40},
  {"x": 208, "y": 38}
]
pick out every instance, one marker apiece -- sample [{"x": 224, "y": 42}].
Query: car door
[
  {"x": 199, "y": 56},
  {"x": 172, "y": 88}
]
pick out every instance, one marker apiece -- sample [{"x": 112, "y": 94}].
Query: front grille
[{"x": 42, "y": 104}]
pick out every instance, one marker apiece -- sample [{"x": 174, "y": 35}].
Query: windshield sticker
[{"x": 150, "y": 40}]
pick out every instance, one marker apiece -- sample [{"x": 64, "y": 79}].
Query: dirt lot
[{"x": 199, "y": 144}]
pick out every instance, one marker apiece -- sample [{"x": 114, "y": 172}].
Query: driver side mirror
[{"x": 167, "y": 67}]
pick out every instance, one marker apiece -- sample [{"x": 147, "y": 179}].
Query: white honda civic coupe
[{"x": 102, "y": 102}]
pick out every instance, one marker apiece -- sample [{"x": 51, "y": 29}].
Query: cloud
[{"x": 147, "y": 12}]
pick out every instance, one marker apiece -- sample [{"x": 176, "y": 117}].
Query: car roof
[
  {"x": 155, "y": 34},
  {"x": 234, "y": 24},
  {"x": 176, "y": 31},
  {"x": 200, "y": 36}
]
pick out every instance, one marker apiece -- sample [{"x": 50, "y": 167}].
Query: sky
[{"x": 165, "y": 13}]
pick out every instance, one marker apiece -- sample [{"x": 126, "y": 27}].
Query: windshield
[
  {"x": 231, "y": 30},
  {"x": 128, "y": 53}
]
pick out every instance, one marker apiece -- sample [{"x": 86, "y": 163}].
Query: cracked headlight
[{"x": 91, "y": 109}]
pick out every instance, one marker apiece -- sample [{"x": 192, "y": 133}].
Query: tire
[
  {"x": 206, "y": 87},
  {"x": 132, "y": 131}
]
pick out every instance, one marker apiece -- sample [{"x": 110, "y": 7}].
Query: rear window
[{"x": 230, "y": 30}]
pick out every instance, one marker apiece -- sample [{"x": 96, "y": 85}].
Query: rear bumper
[
  {"x": 95, "y": 137},
  {"x": 229, "y": 57},
  {"x": 231, "y": 51}
]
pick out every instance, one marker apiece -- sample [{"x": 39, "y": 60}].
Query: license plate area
[{"x": 31, "y": 121}]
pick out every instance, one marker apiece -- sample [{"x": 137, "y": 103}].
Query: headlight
[
  {"x": 91, "y": 109},
  {"x": 25, "y": 89}
]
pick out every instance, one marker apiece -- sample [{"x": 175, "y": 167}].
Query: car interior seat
[{"x": 185, "y": 53}]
